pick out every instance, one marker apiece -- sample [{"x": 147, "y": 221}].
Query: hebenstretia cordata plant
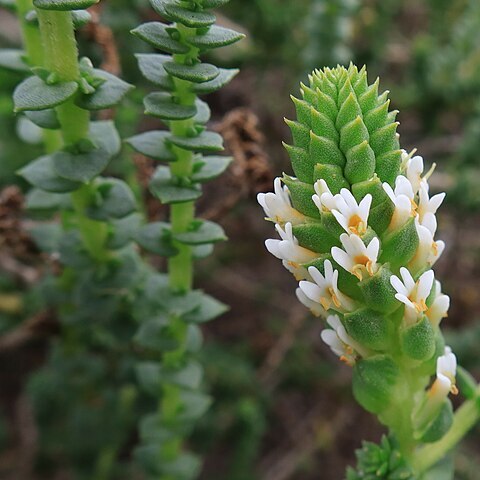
[
  {"x": 129, "y": 334},
  {"x": 356, "y": 227}
]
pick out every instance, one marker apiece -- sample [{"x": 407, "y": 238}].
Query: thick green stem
[
  {"x": 464, "y": 420},
  {"x": 30, "y": 34},
  {"x": 34, "y": 50},
  {"x": 61, "y": 58},
  {"x": 180, "y": 267}
]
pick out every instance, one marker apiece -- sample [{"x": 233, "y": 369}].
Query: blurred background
[{"x": 283, "y": 406}]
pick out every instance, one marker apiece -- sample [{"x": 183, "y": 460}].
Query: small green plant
[
  {"x": 169, "y": 333},
  {"x": 105, "y": 290},
  {"x": 357, "y": 226}
]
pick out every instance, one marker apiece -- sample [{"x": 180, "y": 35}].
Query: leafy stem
[
  {"x": 61, "y": 58},
  {"x": 464, "y": 420}
]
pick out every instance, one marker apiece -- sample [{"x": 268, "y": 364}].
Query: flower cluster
[{"x": 357, "y": 229}]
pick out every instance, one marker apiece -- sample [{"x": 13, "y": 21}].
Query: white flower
[
  {"x": 314, "y": 307},
  {"x": 439, "y": 307},
  {"x": 324, "y": 289},
  {"x": 339, "y": 341},
  {"x": 428, "y": 251},
  {"x": 353, "y": 217},
  {"x": 357, "y": 258},
  {"x": 414, "y": 170},
  {"x": 427, "y": 207},
  {"x": 288, "y": 250},
  {"x": 323, "y": 198},
  {"x": 278, "y": 206},
  {"x": 403, "y": 199},
  {"x": 446, "y": 372},
  {"x": 413, "y": 294}
]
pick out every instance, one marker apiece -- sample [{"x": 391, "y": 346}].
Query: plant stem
[
  {"x": 30, "y": 34},
  {"x": 464, "y": 420},
  {"x": 180, "y": 267},
  {"x": 61, "y": 58},
  {"x": 32, "y": 42}
]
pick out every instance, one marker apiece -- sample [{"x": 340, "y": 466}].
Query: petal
[
  {"x": 342, "y": 258},
  {"x": 341, "y": 219},
  {"x": 430, "y": 221},
  {"x": 425, "y": 283},
  {"x": 436, "y": 201},
  {"x": 349, "y": 198},
  {"x": 317, "y": 276},
  {"x": 365, "y": 207},
  {"x": 261, "y": 201},
  {"x": 408, "y": 280},
  {"x": 398, "y": 285},
  {"x": 311, "y": 290},
  {"x": 373, "y": 249},
  {"x": 405, "y": 300},
  {"x": 334, "y": 321},
  {"x": 389, "y": 191},
  {"x": 273, "y": 247}
]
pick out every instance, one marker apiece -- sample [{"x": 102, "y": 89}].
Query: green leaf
[
  {"x": 34, "y": 94},
  {"x": 153, "y": 144},
  {"x": 114, "y": 199},
  {"x": 199, "y": 73},
  {"x": 123, "y": 230},
  {"x": 156, "y": 34},
  {"x": 202, "y": 251},
  {"x": 80, "y": 18},
  {"x": 80, "y": 167},
  {"x": 64, "y": 5},
  {"x": 151, "y": 66},
  {"x": 205, "y": 142},
  {"x": 46, "y": 236},
  {"x": 42, "y": 174},
  {"x": 161, "y": 105},
  {"x": 208, "y": 309},
  {"x": 189, "y": 18},
  {"x": 201, "y": 231},
  {"x": 107, "y": 94},
  {"x": 195, "y": 404},
  {"x": 152, "y": 376},
  {"x": 156, "y": 238},
  {"x": 210, "y": 167},
  {"x": 214, "y": 3},
  {"x": 8, "y": 5},
  {"x": 203, "y": 112},
  {"x": 179, "y": 304},
  {"x": 168, "y": 190},
  {"x": 369, "y": 328},
  {"x": 224, "y": 77},
  {"x": 418, "y": 340},
  {"x": 13, "y": 60},
  {"x": 215, "y": 37},
  {"x": 185, "y": 467},
  {"x": 44, "y": 118},
  {"x": 106, "y": 136},
  {"x": 443, "y": 470},
  {"x": 374, "y": 382},
  {"x": 156, "y": 336},
  {"x": 39, "y": 200}
]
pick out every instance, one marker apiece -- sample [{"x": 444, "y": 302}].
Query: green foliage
[
  {"x": 173, "y": 374},
  {"x": 383, "y": 461}
]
